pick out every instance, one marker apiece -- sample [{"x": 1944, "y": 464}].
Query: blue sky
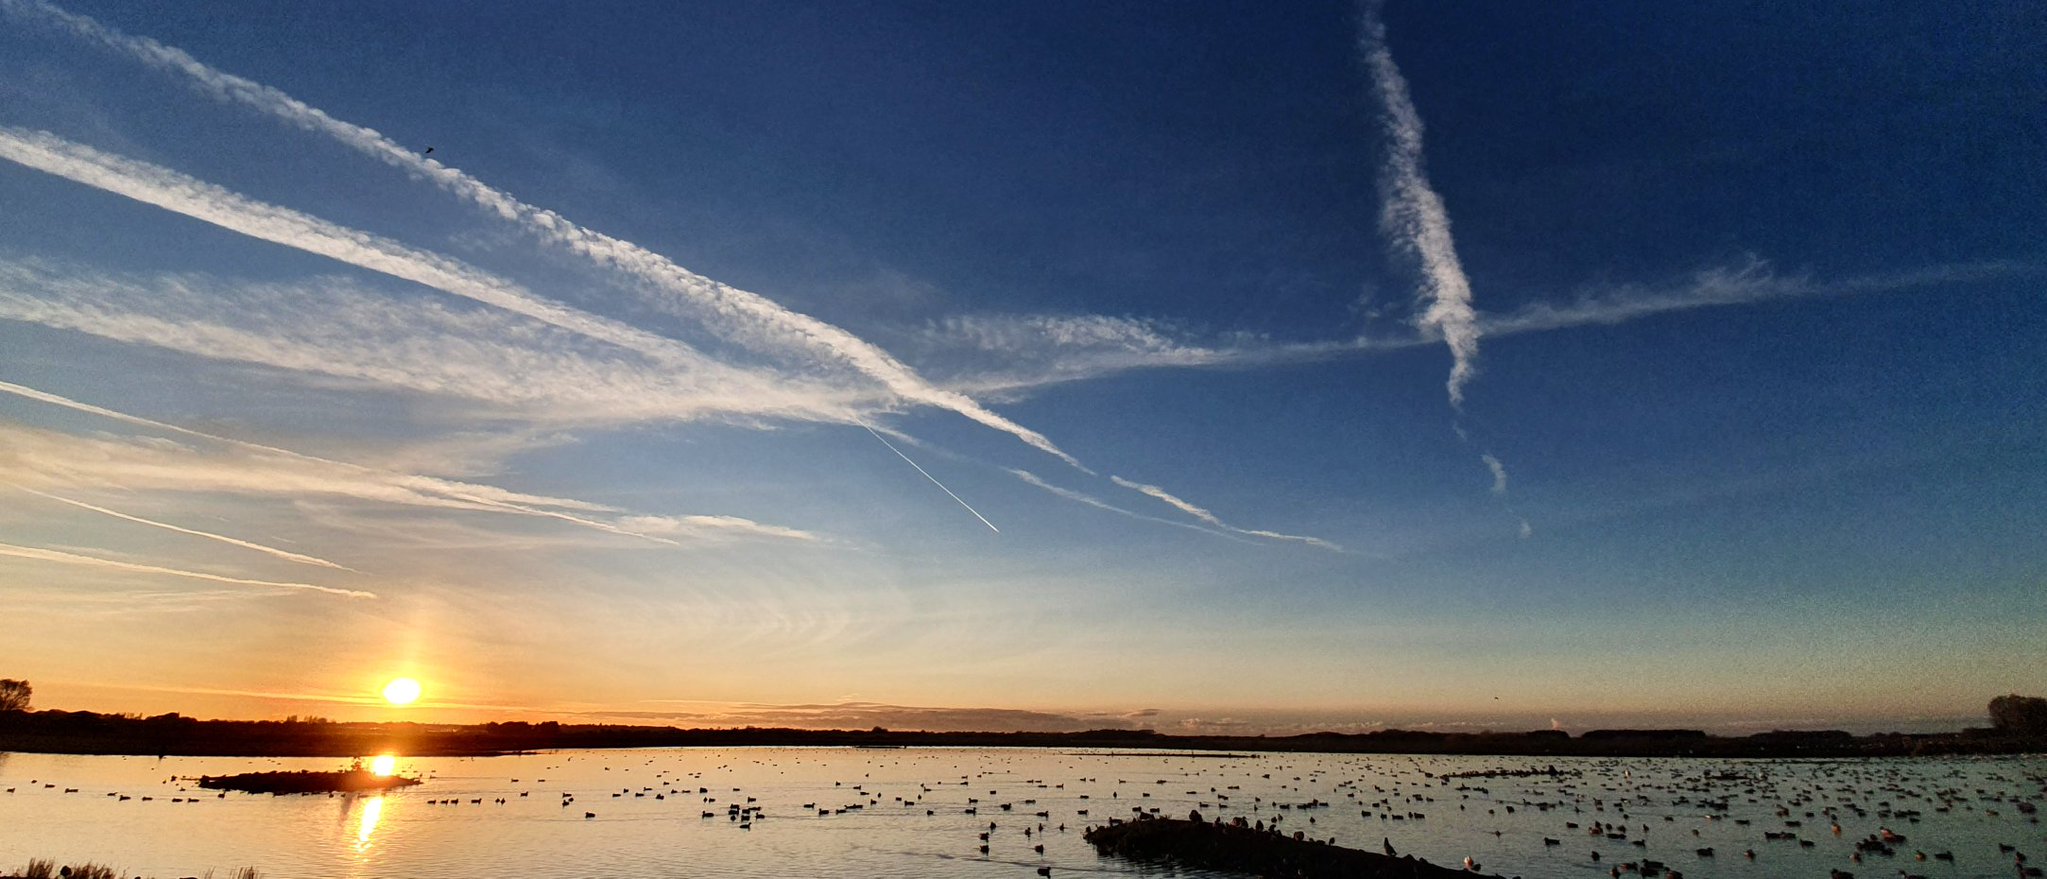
[{"x": 1331, "y": 366}]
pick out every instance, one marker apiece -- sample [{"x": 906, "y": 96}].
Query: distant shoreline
[{"x": 69, "y": 732}]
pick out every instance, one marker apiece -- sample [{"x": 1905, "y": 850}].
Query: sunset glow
[
  {"x": 1205, "y": 367},
  {"x": 896, "y": 438},
  {"x": 403, "y": 691}
]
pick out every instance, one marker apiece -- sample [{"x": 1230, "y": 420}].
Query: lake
[{"x": 919, "y": 812}]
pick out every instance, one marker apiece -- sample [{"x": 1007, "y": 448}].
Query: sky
[{"x": 1205, "y": 367}]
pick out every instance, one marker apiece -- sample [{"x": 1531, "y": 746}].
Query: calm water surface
[{"x": 912, "y": 816}]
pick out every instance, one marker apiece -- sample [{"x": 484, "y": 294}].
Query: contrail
[
  {"x": 1499, "y": 472},
  {"x": 287, "y": 555},
  {"x": 427, "y": 489},
  {"x": 1190, "y": 509},
  {"x": 934, "y": 479},
  {"x": 752, "y": 319},
  {"x": 51, "y": 555},
  {"x": 178, "y": 193},
  {"x": 1414, "y": 217},
  {"x": 1414, "y": 214},
  {"x": 1030, "y": 478}
]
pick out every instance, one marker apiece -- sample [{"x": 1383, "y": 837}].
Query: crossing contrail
[
  {"x": 934, "y": 479},
  {"x": 746, "y": 317},
  {"x": 1414, "y": 214},
  {"x": 50, "y": 555},
  {"x": 285, "y": 554}
]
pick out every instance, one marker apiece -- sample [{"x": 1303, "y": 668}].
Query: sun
[
  {"x": 384, "y": 765},
  {"x": 403, "y": 691}
]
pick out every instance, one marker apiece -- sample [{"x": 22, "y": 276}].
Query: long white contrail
[
  {"x": 428, "y": 490},
  {"x": 1032, "y": 479},
  {"x": 285, "y": 554},
  {"x": 1414, "y": 214},
  {"x": 750, "y": 318},
  {"x": 934, "y": 480},
  {"x": 51, "y": 555},
  {"x": 182, "y": 194},
  {"x": 1197, "y": 512},
  {"x": 1414, "y": 217}
]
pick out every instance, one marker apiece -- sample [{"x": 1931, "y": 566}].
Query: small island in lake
[{"x": 351, "y": 780}]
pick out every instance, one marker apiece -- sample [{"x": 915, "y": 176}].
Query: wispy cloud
[
  {"x": 285, "y": 554},
  {"x": 1751, "y": 280},
  {"x": 49, "y": 459},
  {"x": 66, "y": 558},
  {"x": 1034, "y": 351},
  {"x": 1499, "y": 472},
  {"x": 1092, "y": 501},
  {"x": 181, "y": 194},
  {"x": 744, "y": 317},
  {"x": 505, "y": 366},
  {"x": 1029, "y": 336},
  {"x": 713, "y": 528},
  {"x": 1414, "y": 214},
  {"x": 1204, "y": 515}
]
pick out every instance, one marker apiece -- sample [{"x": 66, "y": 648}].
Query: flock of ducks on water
[{"x": 1809, "y": 801}]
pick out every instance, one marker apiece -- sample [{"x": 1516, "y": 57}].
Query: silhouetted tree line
[
  {"x": 2018, "y": 725},
  {"x": 15, "y": 695},
  {"x": 2023, "y": 715}
]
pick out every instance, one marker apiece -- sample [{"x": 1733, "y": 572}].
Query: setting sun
[
  {"x": 403, "y": 691},
  {"x": 384, "y": 765}
]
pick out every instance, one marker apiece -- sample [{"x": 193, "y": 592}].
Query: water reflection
[
  {"x": 372, "y": 812},
  {"x": 921, "y": 812}
]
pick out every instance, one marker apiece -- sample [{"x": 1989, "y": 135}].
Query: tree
[
  {"x": 14, "y": 695},
  {"x": 2019, "y": 714}
]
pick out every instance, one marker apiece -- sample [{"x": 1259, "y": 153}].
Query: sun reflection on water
[{"x": 372, "y": 812}]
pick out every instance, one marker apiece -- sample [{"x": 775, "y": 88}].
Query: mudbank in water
[
  {"x": 345, "y": 781},
  {"x": 1243, "y": 849}
]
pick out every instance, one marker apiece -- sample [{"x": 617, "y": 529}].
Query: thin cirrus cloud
[
  {"x": 67, "y": 558},
  {"x": 743, "y": 317}
]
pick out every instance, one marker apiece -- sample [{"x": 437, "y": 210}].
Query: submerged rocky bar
[{"x": 1238, "y": 848}]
